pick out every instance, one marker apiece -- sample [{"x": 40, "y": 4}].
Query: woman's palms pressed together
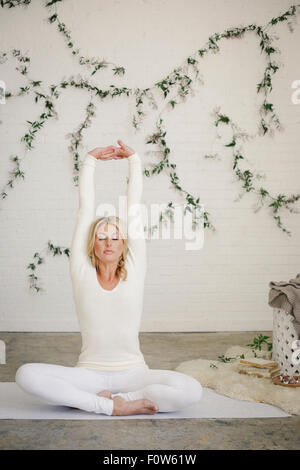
[{"x": 112, "y": 152}]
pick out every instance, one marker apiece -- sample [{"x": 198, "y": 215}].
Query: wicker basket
[{"x": 285, "y": 342}]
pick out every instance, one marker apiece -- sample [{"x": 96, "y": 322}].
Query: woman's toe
[{"x": 105, "y": 393}]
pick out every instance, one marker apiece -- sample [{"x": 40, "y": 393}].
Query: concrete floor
[{"x": 161, "y": 351}]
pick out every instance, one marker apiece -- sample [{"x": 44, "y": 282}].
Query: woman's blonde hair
[{"x": 115, "y": 220}]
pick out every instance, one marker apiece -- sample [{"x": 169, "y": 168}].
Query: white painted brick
[{"x": 225, "y": 285}]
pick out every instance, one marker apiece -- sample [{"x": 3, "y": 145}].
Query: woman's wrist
[
  {"x": 134, "y": 156},
  {"x": 90, "y": 158}
]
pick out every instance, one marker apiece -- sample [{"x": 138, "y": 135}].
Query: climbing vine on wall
[
  {"x": 175, "y": 88},
  {"x": 37, "y": 260},
  {"x": 248, "y": 177}
]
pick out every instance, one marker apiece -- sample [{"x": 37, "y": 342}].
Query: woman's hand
[
  {"x": 104, "y": 153},
  {"x": 124, "y": 151}
]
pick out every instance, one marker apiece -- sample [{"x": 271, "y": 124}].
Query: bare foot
[
  {"x": 105, "y": 393},
  {"x": 123, "y": 407}
]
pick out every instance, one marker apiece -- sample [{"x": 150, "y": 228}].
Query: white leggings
[{"x": 78, "y": 386}]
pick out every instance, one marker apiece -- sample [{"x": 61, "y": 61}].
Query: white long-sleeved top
[{"x": 109, "y": 319}]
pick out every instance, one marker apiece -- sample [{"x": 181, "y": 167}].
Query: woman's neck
[{"x": 107, "y": 272}]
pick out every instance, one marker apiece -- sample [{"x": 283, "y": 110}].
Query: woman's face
[{"x": 108, "y": 244}]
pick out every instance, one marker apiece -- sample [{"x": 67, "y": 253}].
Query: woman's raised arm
[
  {"x": 135, "y": 224},
  {"x": 86, "y": 208},
  {"x": 135, "y": 233},
  {"x": 85, "y": 214}
]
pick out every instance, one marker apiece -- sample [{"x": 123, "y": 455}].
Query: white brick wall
[{"x": 222, "y": 287}]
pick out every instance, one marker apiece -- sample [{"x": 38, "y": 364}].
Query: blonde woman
[{"x": 108, "y": 268}]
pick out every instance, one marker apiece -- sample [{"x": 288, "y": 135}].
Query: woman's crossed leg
[
  {"x": 75, "y": 387},
  {"x": 147, "y": 390},
  {"x": 170, "y": 390}
]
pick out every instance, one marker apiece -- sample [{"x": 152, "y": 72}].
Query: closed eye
[{"x": 112, "y": 238}]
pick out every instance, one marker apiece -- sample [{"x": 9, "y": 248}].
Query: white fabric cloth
[{"x": 109, "y": 319}]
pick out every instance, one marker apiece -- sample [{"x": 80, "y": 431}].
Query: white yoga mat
[{"x": 17, "y": 404}]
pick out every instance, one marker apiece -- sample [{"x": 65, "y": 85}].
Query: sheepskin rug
[{"x": 225, "y": 379}]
